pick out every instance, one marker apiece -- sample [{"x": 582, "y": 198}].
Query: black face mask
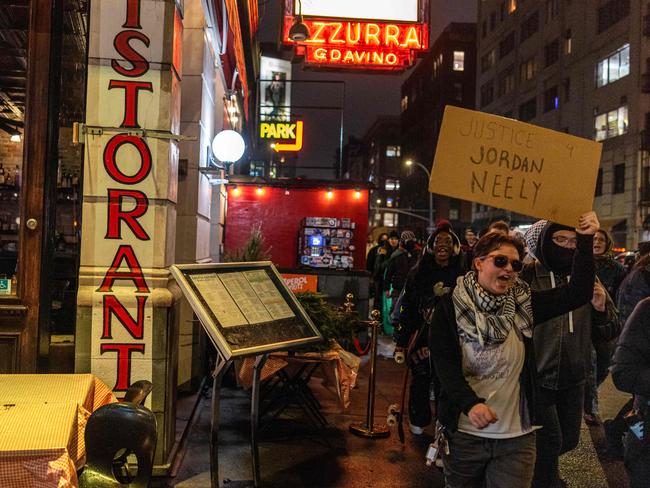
[
  {"x": 409, "y": 246},
  {"x": 561, "y": 258}
]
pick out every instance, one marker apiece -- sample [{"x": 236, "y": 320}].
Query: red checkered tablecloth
[{"x": 42, "y": 425}]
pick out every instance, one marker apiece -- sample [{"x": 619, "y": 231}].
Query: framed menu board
[{"x": 245, "y": 308}]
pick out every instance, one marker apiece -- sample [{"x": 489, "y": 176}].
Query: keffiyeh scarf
[{"x": 487, "y": 318}]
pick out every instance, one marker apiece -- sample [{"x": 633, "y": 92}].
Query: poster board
[
  {"x": 245, "y": 308},
  {"x": 516, "y": 166}
]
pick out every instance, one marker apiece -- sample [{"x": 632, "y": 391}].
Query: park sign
[{"x": 516, "y": 166}]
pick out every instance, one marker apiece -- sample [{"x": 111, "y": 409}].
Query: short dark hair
[
  {"x": 500, "y": 225},
  {"x": 494, "y": 240}
]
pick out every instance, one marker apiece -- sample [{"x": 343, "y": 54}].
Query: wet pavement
[{"x": 296, "y": 453}]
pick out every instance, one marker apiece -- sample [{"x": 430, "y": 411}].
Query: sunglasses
[{"x": 502, "y": 261}]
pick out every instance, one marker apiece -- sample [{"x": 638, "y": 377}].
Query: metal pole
[
  {"x": 219, "y": 371},
  {"x": 367, "y": 428},
  {"x": 255, "y": 417}
]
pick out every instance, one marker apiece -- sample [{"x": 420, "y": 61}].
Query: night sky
[{"x": 366, "y": 95}]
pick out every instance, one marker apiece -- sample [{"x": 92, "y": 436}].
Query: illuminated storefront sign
[
  {"x": 361, "y": 44},
  {"x": 402, "y": 10},
  {"x": 290, "y": 133}
]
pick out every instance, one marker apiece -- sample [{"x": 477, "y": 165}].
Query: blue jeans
[{"x": 489, "y": 463}]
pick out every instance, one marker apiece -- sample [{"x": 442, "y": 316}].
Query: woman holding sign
[{"x": 481, "y": 345}]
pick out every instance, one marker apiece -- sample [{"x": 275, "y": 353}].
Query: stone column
[{"x": 126, "y": 325}]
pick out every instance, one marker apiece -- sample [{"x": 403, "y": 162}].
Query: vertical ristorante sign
[{"x": 123, "y": 324}]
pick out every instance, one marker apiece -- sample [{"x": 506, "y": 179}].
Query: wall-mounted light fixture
[{"x": 227, "y": 148}]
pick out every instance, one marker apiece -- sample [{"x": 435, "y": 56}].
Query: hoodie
[{"x": 563, "y": 344}]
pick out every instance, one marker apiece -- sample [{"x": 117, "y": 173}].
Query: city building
[
  {"x": 445, "y": 76},
  {"x": 385, "y": 172},
  {"x": 579, "y": 67}
]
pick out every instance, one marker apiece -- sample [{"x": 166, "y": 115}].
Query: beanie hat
[
  {"x": 407, "y": 235},
  {"x": 444, "y": 224},
  {"x": 454, "y": 238},
  {"x": 393, "y": 234}
]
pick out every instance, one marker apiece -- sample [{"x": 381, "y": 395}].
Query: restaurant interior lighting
[
  {"x": 357, "y": 194},
  {"x": 259, "y": 190},
  {"x": 286, "y": 191},
  {"x": 235, "y": 190},
  {"x": 330, "y": 194}
]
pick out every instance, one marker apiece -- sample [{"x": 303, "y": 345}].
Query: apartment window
[
  {"x": 568, "y": 41},
  {"x": 611, "y": 12},
  {"x": 393, "y": 151},
  {"x": 614, "y": 67},
  {"x": 528, "y": 110},
  {"x": 619, "y": 178},
  {"x": 493, "y": 21},
  {"x": 487, "y": 93},
  {"x": 459, "y": 60},
  {"x": 391, "y": 184},
  {"x": 507, "y": 45},
  {"x": 256, "y": 168},
  {"x": 454, "y": 214},
  {"x": 458, "y": 91},
  {"x": 530, "y": 26},
  {"x": 389, "y": 202},
  {"x": 527, "y": 70},
  {"x": 488, "y": 60},
  {"x": 506, "y": 82},
  {"x": 599, "y": 183},
  {"x": 611, "y": 124},
  {"x": 551, "y": 99},
  {"x": 567, "y": 89},
  {"x": 390, "y": 220},
  {"x": 551, "y": 53},
  {"x": 551, "y": 10}
]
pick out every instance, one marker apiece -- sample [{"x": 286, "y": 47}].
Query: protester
[
  {"x": 499, "y": 226},
  {"x": 634, "y": 287},
  {"x": 610, "y": 273},
  {"x": 562, "y": 347},
  {"x": 383, "y": 256},
  {"x": 631, "y": 373},
  {"x": 372, "y": 253},
  {"x": 399, "y": 265},
  {"x": 434, "y": 274},
  {"x": 470, "y": 240},
  {"x": 481, "y": 345}
]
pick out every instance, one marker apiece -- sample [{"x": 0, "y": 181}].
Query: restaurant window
[
  {"x": 459, "y": 61},
  {"x": 488, "y": 60},
  {"x": 507, "y": 45},
  {"x": 619, "y": 178},
  {"x": 528, "y": 110},
  {"x": 393, "y": 151},
  {"x": 551, "y": 53},
  {"x": 529, "y": 26},
  {"x": 611, "y": 124},
  {"x": 611, "y": 13},
  {"x": 599, "y": 183},
  {"x": 487, "y": 93},
  {"x": 613, "y": 67},
  {"x": 527, "y": 70},
  {"x": 551, "y": 99}
]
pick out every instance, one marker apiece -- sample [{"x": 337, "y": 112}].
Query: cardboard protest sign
[{"x": 516, "y": 166}]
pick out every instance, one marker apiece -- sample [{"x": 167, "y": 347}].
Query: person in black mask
[
  {"x": 399, "y": 264},
  {"x": 562, "y": 348}
]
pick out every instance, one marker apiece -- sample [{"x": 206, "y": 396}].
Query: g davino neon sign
[
  {"x": 290, "y": 133},
  {"x": 343, "y": 43}
]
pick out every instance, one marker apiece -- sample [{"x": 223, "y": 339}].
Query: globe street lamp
[
  {"x": 410, "y": 162},
  {"x": 227, "y": 147}
]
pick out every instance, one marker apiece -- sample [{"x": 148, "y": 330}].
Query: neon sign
[
  {"x": 373, "y": 45},
  {"x": 285, "y": 131}
]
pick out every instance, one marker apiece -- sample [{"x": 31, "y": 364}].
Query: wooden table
[{"x": 42, "y": 424}]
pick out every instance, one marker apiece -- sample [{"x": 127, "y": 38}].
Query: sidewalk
[{"x": 295, "y": 454}]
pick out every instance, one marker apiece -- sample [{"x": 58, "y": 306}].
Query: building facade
[
  {"x": 445, "y": 76},
  {"x": 577, "y": 67}
]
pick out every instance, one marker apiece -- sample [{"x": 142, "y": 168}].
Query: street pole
[{"x": 428, "y": 173}]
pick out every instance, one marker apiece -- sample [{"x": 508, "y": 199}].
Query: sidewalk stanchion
[{"x": 368, "y": 428}]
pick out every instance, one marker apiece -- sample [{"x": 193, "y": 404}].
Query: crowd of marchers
[{"x": 508, "y": 337}]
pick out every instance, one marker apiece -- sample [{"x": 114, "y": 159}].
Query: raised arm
[{"x": 557, "y": 301}]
